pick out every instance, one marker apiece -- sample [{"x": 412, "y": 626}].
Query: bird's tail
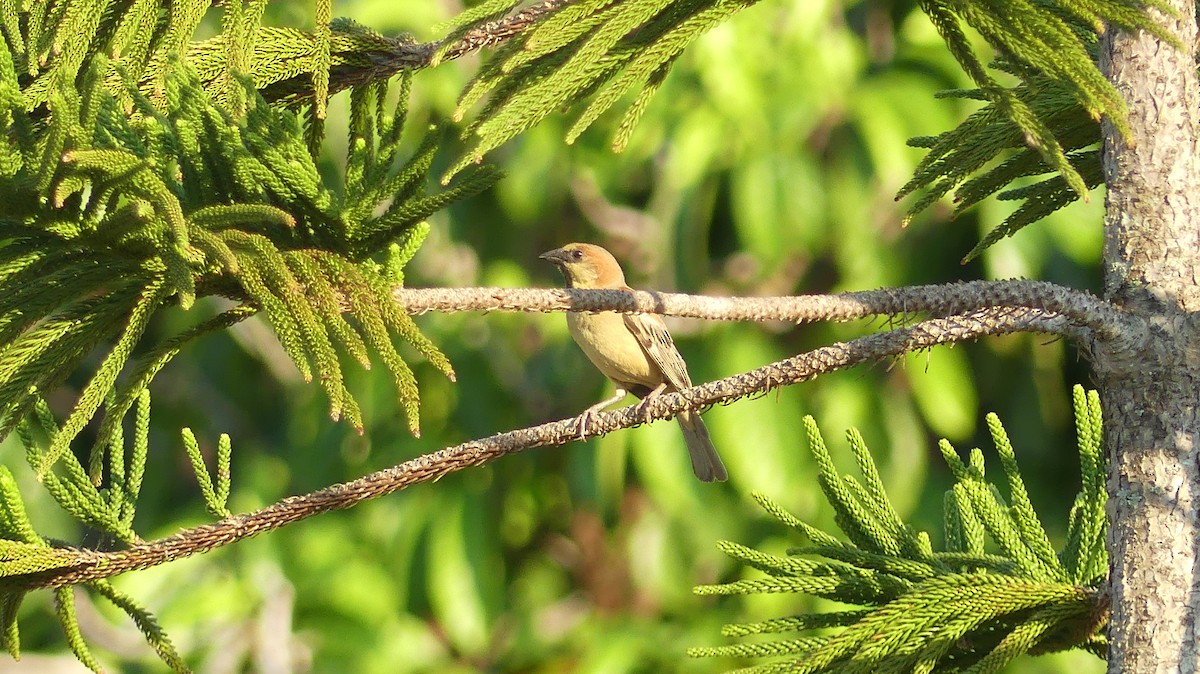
[{"x": 705, "y": 462}]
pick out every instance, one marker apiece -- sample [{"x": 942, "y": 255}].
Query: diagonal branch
[
  {"x": 495, "y": 32},
  {"x": 89, "y": 565},
  {"x": 393, "y": 55},
  {"x": 1081, "y": 309}
]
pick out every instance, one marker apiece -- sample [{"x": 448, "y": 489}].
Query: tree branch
[
  {"x": 495, "y": 32},
  {"x": 1081, "y": 308},
  {"x": 392, "y": 55},
  {"x": 88, "y": 565}
]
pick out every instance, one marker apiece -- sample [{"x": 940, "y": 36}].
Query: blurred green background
[{"x": 767, "y": 164}]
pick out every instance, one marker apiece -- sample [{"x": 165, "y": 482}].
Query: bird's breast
[{"x": 612, "y": 348}]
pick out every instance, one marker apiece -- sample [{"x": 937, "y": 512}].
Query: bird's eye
[{"x": 577, "y": 255}]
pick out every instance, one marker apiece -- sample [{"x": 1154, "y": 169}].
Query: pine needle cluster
[
  {"x": 142, "y": 171},
  {"x": 139, "y": 173},
  {"x": 128, "y": 190},
  {"x": 997, "y": 590},
  {"x": 598, "y": 50},
  {"x": 1047, "y": 123},
  {"x": 109, "y": 509}
]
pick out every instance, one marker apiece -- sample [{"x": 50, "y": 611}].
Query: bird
[{"x": 634, "y": 351}]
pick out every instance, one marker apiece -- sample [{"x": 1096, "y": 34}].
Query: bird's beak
[{"x": 557, "y": 256}]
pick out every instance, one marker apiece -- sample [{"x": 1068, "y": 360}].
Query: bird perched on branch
[{"x": 635, "y": 351}]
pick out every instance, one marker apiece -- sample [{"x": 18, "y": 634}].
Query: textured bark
[
  {"x": 1150, "y": 395},
  {"x": 1085, "y": 312},
  {"x": 66, "y": 566}
]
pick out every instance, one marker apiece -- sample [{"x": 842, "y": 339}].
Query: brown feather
[
  {"x": 635, "y": 351},
  {"x": 652, "y": 335}
]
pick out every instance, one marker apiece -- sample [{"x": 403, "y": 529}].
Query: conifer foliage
[
  {"x": 590, "y": 49},
  {"x": 997, "y": 589},
  {"x": 1047, "y": 123},
  {"x": 599, "y": 51},
  {"x": 138, "y": 175},
  {"x": 142, "y": 170}
]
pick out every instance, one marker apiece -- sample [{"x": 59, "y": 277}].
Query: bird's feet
[
  {"x": 643, "y": 407},
  {"x": 582, "y": 422},
  {"x": 587, "y": 416}
]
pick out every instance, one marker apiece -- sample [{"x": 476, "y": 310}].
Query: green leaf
[{"x": 926, "y": 610}]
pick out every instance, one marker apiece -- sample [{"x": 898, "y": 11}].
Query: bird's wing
[{"x": 652, "y": 335}]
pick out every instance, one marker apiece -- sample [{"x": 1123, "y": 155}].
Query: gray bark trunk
[{"x": 1151, "y": 395}]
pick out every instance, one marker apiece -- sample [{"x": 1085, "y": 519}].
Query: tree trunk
[{"x": 1151, "y": 392}]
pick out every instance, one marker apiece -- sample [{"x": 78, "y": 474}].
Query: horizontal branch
[
  {"x": 91, "y": 565},
  {"x": 1082, "y": 309}
]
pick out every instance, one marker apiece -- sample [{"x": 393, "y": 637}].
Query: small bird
[{"x": 635, "y": 351}]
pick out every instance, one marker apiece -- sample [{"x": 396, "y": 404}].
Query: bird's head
[{"x": 586, "y": 266}]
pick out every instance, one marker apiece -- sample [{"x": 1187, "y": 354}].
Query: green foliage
[
  {"x": 971, "y": 607},
  {"x": 593, "y": 48},
  {"x": 109, "y": 509},
  {"x": 134, "y": 181},
  {"x": 801, "y": 194},
  {"x": 59, "y": 40},
  {"x": 215, "y": 497},
  {"x": 1048, "y": 123},
  {"x": 125, "y": 214}
]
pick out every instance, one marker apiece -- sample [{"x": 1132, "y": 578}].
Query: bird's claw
[
  {"x": 587, "y": 416},
  {"x": 643, "y": 408},
  {"x": 582, "y": 422}
]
